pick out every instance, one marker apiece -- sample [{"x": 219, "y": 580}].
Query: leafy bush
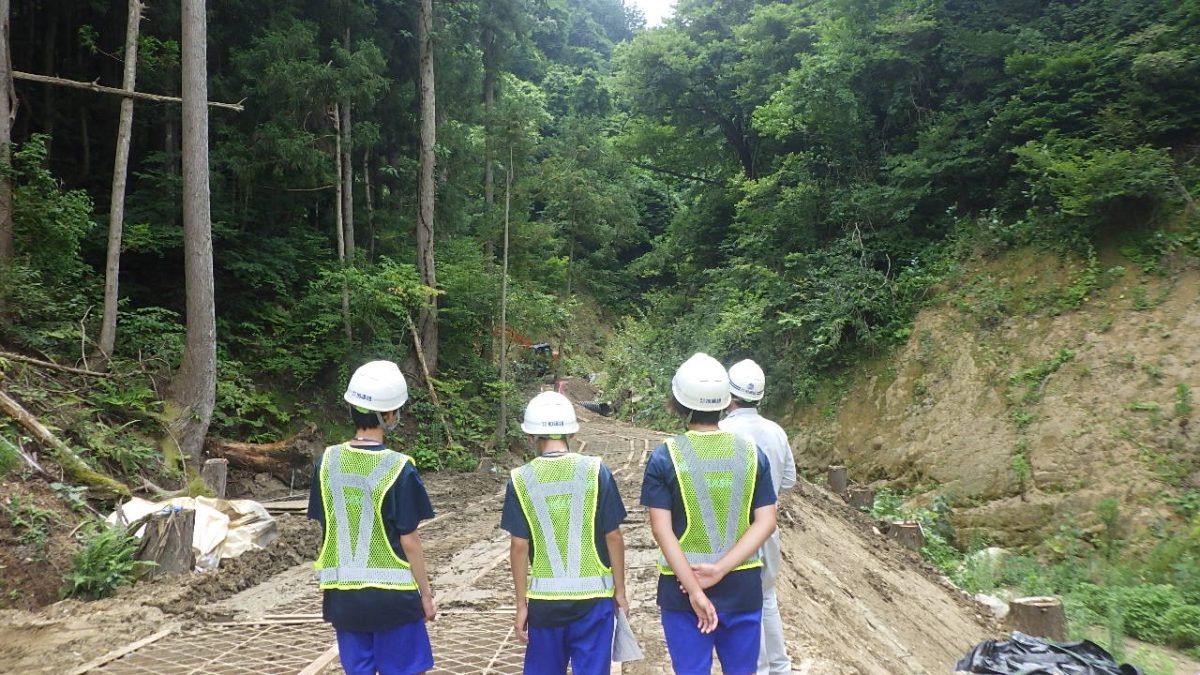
[
  {"x": 1183, "y": 625},
  {"x": 1145, "y": 609},
  {"x": 103, "y": 564}
]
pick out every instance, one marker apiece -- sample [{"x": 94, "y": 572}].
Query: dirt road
[{"x": 852, "y": 602}]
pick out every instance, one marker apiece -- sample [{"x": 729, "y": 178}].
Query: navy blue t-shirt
[
  {"x": 404, "y": 506},
  {"x": 740, "y": 590},
  {"x": 610, "y": 511}
]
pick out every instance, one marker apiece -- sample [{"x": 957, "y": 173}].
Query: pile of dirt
[{"x": 1021, "y": 415}]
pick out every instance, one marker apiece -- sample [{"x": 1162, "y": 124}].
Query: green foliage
[
  {"x": 72, "y": 495},
  {"x": 49, "y": 222},
  {"x": 1088, "y": 187},
  {"x": 1035, "y": 378},
  {"x": 1183, "y": 400},
  {"x": 32, "y": 521},
  {"x": 103, "y": 563},
  {"x": 1183, "y": 626},
  {"x": 10, "y": 457}
]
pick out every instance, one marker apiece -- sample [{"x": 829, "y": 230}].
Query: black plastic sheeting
[{"x": 1027, "y": 655}]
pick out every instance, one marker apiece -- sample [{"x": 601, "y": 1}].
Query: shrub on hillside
[
  {"x": 1145, "y": 609},
  {"x": 1183, "y": 624}
]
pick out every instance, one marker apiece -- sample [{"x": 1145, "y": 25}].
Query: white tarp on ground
[{"x": 225, "y": 528}]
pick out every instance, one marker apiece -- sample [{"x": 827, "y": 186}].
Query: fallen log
[
  {"x": 73, "y": 467},
  {"x": 284, "y": 459}
]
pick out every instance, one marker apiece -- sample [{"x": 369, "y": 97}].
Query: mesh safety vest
[
  {"x": 558, "y": 496},
  {"x": 716, "y": 474},
  {"x": 356, "y": 553}
]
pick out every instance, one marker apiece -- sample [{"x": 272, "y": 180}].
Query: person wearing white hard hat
[
  {"x": 711, "y": 506},
  {"x": 747, "y": 384},
  {"x": 371, "y": 566},
  {"x": 567, "y": 592}
]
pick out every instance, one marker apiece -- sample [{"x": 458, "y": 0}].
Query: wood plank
[{"x": 118, "y": 653}]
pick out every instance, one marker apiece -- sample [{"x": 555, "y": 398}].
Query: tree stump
[
  {"x": 861, "y": 498},
  {"x": 837, "y": 479},
  {"x": 1038, "y": 616},
  {"x": 215, "y": 474},
  {"x": 167, "y": 541},
  {"x": 908, "y": 533}
]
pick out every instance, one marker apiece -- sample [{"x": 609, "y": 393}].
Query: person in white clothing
[{"x": 747, "y": 383}]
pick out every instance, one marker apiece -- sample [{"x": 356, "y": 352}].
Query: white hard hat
[
  {"x": 746, "y": 380},
  {"x": 701, "y": 383},
  {"x": 549, "y": 413},
  {"x": 377, "y": 386}
]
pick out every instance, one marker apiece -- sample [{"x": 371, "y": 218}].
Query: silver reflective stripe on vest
[
  {"x": 364, "y": 575},
  {"x": 353, "y": 561},
  {"x": 697, "y": 467},
  {"x": 566, "y": 571},
  {"x": 579, "y": 585}
]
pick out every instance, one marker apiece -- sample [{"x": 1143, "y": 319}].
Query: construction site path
[{"x": 852, "y": 602}]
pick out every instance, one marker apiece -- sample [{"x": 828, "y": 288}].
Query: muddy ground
[{"x": 852, "y": 601}]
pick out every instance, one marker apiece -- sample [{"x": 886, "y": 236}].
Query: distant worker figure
[
  {"x": 711, "y": 507},
  {"x": 371, "y": 567},
  {"x": 747, "y": 384},
  {"x": 564, "y": 513}
]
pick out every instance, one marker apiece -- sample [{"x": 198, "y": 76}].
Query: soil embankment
[{"x": 1023, "y": 407}]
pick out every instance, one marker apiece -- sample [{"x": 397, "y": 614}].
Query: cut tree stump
[
  {"x": 908, "y": 534},
  {"x": 1038, "y": 616},
  {"x": 215, "y": 474},
  {"x": 837, "y": 479},
  {"x": 167, "y": 541},
  {"x": 861, "y": 497}
]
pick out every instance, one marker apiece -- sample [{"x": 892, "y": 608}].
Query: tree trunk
[
  {"x": 340, "y": 219},
  {"x": 116, "y": 211},
  {"x": 425, "y": 187},
  {"x": 370, "y": 205},
  {"x": 347, "y": 176},
  {"x": 488, "y": 38},
  {"x": 8, "y": 112},
  {"x": 193, "y": 392},
  {"x": 1040, "y": 617},
  {"x": 837, "y": 479},
  {"x": 502, "y": 428},
  {"x": 167, "y": 542}
]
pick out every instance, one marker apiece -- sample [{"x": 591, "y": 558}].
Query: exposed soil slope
[{"x": 1023, "y": 411}]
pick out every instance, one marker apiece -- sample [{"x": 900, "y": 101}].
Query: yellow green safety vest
[
  {"x": 355, "y": 552},
  {"x": 558, "y": 496},
  {"x": 716, "y": 473}
]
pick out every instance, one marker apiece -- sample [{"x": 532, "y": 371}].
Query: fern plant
[{"x": 103, "y": 564}]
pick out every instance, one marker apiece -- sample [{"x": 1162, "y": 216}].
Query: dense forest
[{"x": 782, "y": 180}]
